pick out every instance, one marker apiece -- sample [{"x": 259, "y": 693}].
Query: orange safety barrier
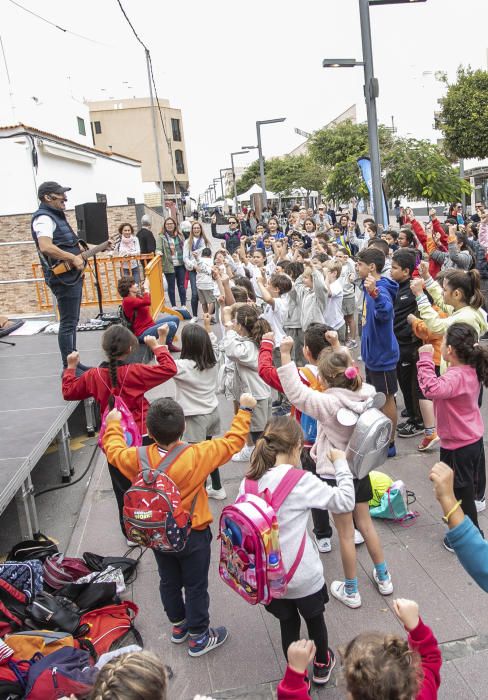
[{"x": 110, "y": 269}]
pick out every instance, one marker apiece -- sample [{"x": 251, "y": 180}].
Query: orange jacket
[
  {"x": 190, "y": 470},
  {"x": 420, "y": 329}
]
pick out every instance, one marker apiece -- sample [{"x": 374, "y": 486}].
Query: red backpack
[
  {"x": 153, "y": 512},
  {"x": 111, "y": 627}
]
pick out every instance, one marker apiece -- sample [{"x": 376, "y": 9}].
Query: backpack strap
[
  {"x": 251, "y": 486},
  {"x": 287, "y": 484},
  {"x": 148, "y": 474}
]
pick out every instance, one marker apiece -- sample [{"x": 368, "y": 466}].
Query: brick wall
[{"x": 16, "y": 260}]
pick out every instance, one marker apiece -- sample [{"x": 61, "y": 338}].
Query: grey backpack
[{"x": 368, "y": 445}]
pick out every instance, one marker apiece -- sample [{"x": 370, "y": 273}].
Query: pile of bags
[{"x": 58, "y": 616}]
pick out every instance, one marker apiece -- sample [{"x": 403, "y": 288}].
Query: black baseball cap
[{"x": 51, "y": 187}]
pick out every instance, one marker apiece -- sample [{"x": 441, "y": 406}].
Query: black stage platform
[{"x": 33, "y": 413}]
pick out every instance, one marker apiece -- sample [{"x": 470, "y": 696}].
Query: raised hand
[
  {"x": 417, "y": 286},
  {"x": 300, "y": 654},
  {"x": 286, "y": 345},
  {"x": 73, "y": 359},
  {"x": 408, "y": 612}
]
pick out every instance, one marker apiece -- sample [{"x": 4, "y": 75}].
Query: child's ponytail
[
  {"x": 116, "y": 342},
  {"x": 464, "y": 341},
  {"x": 336, "y": 368},
  {"x": 247, "y": 317},
  {"x": 281, "y": 436}
]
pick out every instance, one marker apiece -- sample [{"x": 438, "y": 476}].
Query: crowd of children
[{"x": 290, "y": 309}]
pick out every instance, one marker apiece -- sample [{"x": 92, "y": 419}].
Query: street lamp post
[
  {"x": 261, "y": 161},
  {"x": 216, "y": 179},
  {"x": 371, "y": 91},
  {"x": 235, "y": 153}
]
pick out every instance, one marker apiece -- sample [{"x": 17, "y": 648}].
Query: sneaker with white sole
[
  {"x": 385, "y": 587},
  {"x": 180, "y": 633},
  {"x": 358, "y": 538},
  {"x": 130, "y": 543},
  {"x": 338, "y": 590},
  {"x": 218, "y": 494},
  {"x": 209, "y": 640},
  {"x": 244, "y": 455},
  {"x": 323, "y": 544},
  {"x": 480, "y": 505},
  {"x": 321, "y": 672}
]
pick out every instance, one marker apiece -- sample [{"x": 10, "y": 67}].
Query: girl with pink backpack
[{"x": 276, "y": 453}]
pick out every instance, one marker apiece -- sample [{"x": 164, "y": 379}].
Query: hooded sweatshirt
[
  {"x": 379, "y": 347},
  {"x": 324, "y": 407}
]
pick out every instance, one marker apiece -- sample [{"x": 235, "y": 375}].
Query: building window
[
  {"x": 131, "y": 200},
  {"x": 101, "y": 197},
  {"x": 175, "y": 125},
  {"x": 180, "y": 165},
  {"x": 98, "y": 127},
  {"x": 81, "y": 126}
]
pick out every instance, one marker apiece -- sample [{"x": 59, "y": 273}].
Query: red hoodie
[
  {"x": 132, "y": 383},
  {"x": 418, "y": 229},
  {"x": 295, "y": 687}
]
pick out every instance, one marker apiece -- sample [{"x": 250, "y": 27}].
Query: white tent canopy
[
  {"x": 221, "y": 203},
  {"x": 255, "y": 189}
]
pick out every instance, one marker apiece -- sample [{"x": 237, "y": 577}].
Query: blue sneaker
[
  {"x": 392, "y": 451},
  {"x": 209, "y": 640},
  {"x": 180, "y": 633}
]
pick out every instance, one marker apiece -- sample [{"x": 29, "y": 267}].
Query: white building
[{"x": 30, "y": 156}]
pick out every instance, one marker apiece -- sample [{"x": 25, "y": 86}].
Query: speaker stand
[{"x": 98, "y": 288}]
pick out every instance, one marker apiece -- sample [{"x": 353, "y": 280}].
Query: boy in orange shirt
[{"x": 187, "y": 569}]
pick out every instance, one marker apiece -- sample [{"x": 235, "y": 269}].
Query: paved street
[{"x": 251, "y": 662}]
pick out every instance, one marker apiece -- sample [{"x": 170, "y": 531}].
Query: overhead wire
[
  {"x": 168, "y": 140},
  {"x": 57, "y": 26}
]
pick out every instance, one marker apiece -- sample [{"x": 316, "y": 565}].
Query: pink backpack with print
[
  {"x": 250, "y": 556},
  {"x": 132, "y": 433}
]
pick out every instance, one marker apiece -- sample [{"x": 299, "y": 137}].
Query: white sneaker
[
  {"x": 323, "y": 544},
  {"x": 244, "y": 455},
  {"x": 358, "y": 538},
  {"x": 385, "y": 587},
  {"x": 218, "y": 494},
  {"x": 480, "y": 505},
  {"x": 338, "y": 590},
  {"x": 130, "y": 543},
  {"x": 194, "y": 319}
]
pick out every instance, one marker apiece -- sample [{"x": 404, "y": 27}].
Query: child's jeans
[{"x": 187, "y": 570}]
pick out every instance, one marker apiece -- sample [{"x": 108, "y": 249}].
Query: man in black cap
[{"x": 56, "y": 241}]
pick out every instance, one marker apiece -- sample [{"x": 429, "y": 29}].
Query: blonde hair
[
  {"x": 334, "y": 266},
  {"x": 281, "y": 435},
  {"x": 381, "y": 667},
  {"x": 135, "y": 676},
  {"x": 332, "y": 366}
]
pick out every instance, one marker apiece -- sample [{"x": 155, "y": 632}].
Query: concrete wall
[
  {"x": 85, "y": 172},
  {"x": 17, "y": 256}
]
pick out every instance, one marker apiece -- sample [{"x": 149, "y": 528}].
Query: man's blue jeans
[
  {"x": 173, "y": 323},
  {"x": 68, "y": 298}
]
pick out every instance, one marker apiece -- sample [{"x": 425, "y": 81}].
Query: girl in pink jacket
[
  {"x": 455, "y": 395},
  {"x": 344, "y": 389}
]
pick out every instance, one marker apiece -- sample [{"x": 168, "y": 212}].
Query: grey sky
[{"x": 227, "y": 64}]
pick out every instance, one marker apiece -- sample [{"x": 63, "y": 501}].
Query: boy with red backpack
[{"x": 183, "y": 557}]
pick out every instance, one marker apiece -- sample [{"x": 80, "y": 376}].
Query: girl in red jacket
[
  {"x": 129, "y": 381},
  {"x": 376, "y": 665}
]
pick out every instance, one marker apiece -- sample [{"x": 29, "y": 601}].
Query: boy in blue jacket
[{"x": 379, "y": 346}]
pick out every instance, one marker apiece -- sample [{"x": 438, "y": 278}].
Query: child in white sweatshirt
[
  {"x": 343, "y": 389},
  {"x": 196, "y": 382},
  {"x": 276, "y": 452},
  {"x": 241, "y": 345}
]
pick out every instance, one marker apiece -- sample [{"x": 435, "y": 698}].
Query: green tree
[
  {"x": 249, "y": 177},
  {"x": 418, "y": 169},
  {"x": 290, "y": 172},
  {"x": 346, "y": 140},
  {"x": 337, "y": 150},
  {"x": 464, "y": 114}
]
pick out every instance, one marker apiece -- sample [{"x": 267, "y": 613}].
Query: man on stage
[{"x": 56, "y": 241}]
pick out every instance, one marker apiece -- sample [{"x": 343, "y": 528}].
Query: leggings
[{"x": 317, "y": 631}]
